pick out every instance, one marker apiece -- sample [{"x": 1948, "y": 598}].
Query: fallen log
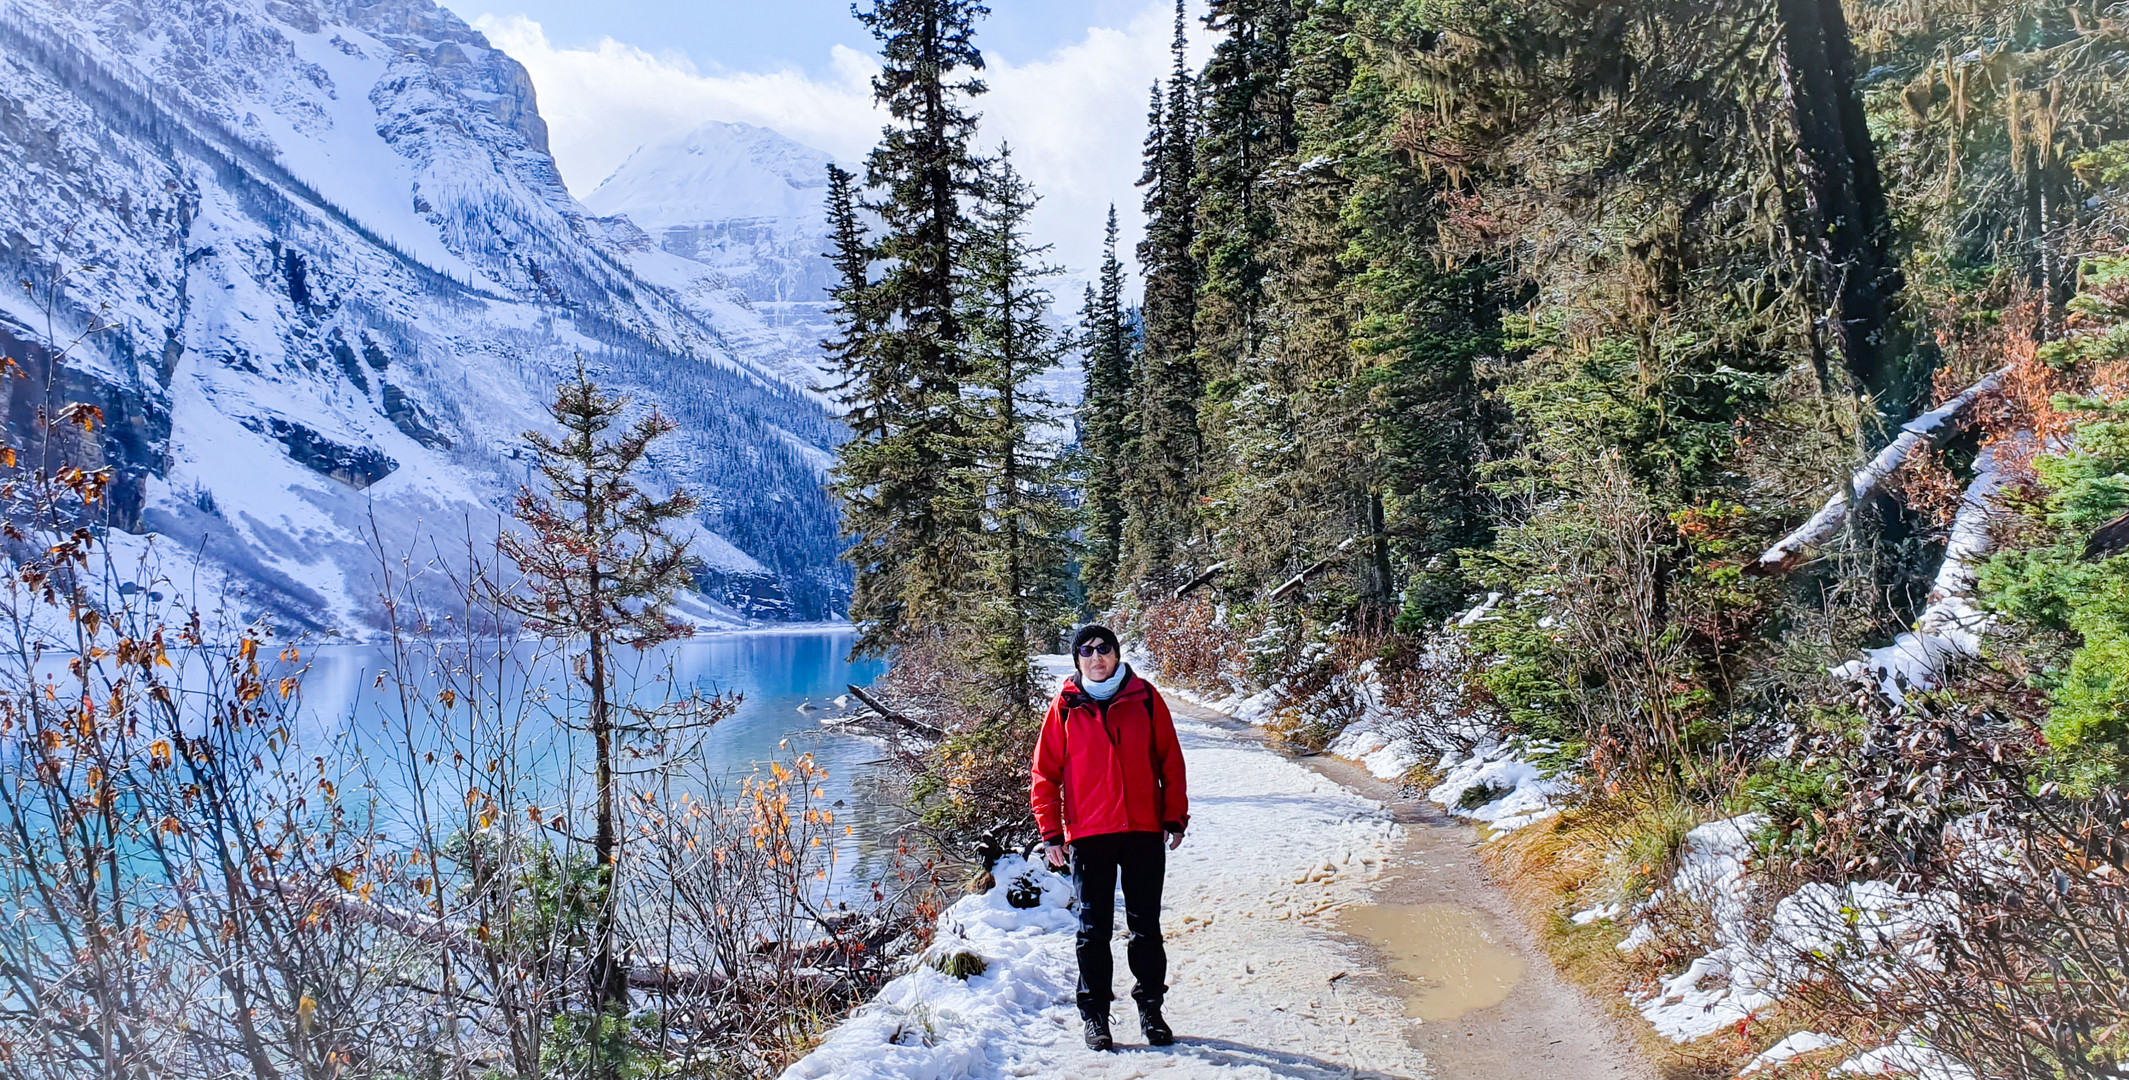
[
  {"x": 1949, "y": 630},
  {"x": 649, "y": 973},
  {"x": 1194, "y": 583},
  {"x": 918, "y": 726},
  {"x": 1789, "y": 551},
  {"x": 1312, "y": 570}
]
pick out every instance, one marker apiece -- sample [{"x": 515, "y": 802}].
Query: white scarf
[{"x": 1103, "y": 691}]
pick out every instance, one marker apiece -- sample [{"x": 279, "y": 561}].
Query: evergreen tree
[
  {"x": 1248, "y": 126},
  {"x": 1104, "y": 417},
  {"x": 1290, "y": 468},
  {"x": 870, "y": 389},
  {"x": 601, "y": 565},
  {"x": 1163, "y": 482},
  {"x": 1022, "y": 554},
  {"x": 910, "y": 525},
  {"x": 1386, "y": 332},
  {"x": 875, "y": 497}
]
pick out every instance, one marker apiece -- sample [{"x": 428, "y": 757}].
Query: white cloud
[{"x": 1075, "y": 118}]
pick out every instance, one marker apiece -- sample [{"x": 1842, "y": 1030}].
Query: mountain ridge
[{"x": 330, "y": 239}]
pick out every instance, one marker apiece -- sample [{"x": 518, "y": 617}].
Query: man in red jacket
[{"x": 1107, "y": 786}]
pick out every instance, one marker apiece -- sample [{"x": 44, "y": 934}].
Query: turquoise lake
[{"x": 786, "y": 681}]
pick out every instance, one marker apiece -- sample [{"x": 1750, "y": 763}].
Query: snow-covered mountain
[
  {"x": 328, "y": 274},
  {"x": 748, "y": 204}
]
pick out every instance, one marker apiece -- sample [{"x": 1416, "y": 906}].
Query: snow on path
[{"x": 1274, "y": 851}]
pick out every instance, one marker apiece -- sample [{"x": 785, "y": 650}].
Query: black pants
[{"x": 1141, "y": 860}]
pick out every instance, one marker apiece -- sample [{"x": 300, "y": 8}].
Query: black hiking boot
[
  {"x": 1098, "y": 1032},
  {"x": 1156, "y": 1029}
]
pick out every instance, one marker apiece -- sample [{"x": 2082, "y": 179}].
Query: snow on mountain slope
[
  {"x": 328, "y": 274},
  {"x": 746, "y": 207},
  {"x": 717, "y": 172}
]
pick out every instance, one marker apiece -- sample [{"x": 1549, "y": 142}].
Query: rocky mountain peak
[{"x": 336, "y": 274}]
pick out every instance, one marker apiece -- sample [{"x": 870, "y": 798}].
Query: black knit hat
[{"x": 1093, "y": 632}]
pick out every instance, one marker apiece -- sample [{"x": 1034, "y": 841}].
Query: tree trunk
[
  {"x": 1384, "y": 585},
  {"x": 609, "y": 972},
  {"x": 2047, "y": 190},
  {"x": 1848, "y": 227}
]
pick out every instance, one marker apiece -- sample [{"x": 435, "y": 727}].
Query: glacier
[{"x": 314, "y": 262}]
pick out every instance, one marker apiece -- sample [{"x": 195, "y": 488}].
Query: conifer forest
[
  {"x": 1715, "y": 404},
  {"x": 1654, "y": 472}
]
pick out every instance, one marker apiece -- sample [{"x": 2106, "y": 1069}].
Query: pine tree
[
  {"x": 1163, "y": 482},
  {"x": 1104, "y": 416},
  {"x": 1386, "y": 330},
  {"x": 1291, "y": 471},
  {"x": 874, "y": 391},
  {"x": 911, "y": 531},
  {"x": 1251, "y": 440},
  {"x": 869, "y": 389},
  {"x": 1248, "y": 127},
  {"x": 1023, "y": 552},
  {"x": 601, "y": 566}
]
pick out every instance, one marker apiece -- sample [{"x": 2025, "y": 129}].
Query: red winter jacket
[{"x": 1108, "y": 767}]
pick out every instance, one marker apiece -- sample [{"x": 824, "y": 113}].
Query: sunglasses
[{"x": 1098, "y": 648}]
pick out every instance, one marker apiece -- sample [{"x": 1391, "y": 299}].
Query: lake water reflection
[{"x": 350, "y": 698}]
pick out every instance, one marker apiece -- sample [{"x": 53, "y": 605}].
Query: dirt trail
[
  {"x": 1267, "y": 979},
  {"x": 1542, "y": 1029}
]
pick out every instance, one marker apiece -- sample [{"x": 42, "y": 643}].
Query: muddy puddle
[{"x": 1449, "y": 959}]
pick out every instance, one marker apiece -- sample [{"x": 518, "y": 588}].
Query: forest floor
[{"x": 1319, "y": 925}]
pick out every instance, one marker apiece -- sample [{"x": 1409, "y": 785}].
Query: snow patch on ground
[
  {"x": 1520, "y": 793},
  {"x": 1788, "y": 1050},
  {"x": 1869, "y": 929},
  {"x": 1909, "y": 1057},
  {"x": 929, "y": 1024},
  {"x": 1383, "y": 757},
  {"x": 1737, "y": 979}
]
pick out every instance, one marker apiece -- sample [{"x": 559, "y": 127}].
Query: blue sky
[
  {"x": 768, "y": 34},
  {"x": 1068, "y": 78}
]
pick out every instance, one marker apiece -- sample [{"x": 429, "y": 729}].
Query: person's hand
[
  {"x": 1055, "y": 853},
  {"x": 1175, "y": 840}
]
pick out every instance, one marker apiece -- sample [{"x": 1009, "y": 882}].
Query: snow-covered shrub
[{"x": 1972, "y": 900}]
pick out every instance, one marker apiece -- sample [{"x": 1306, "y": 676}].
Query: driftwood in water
[
  {"x": 918, "y": 726},
  {"x": 1789, "y": 551}
]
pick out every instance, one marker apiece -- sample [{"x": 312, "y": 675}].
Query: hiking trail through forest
[{"x": 1283, "y": 858}]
